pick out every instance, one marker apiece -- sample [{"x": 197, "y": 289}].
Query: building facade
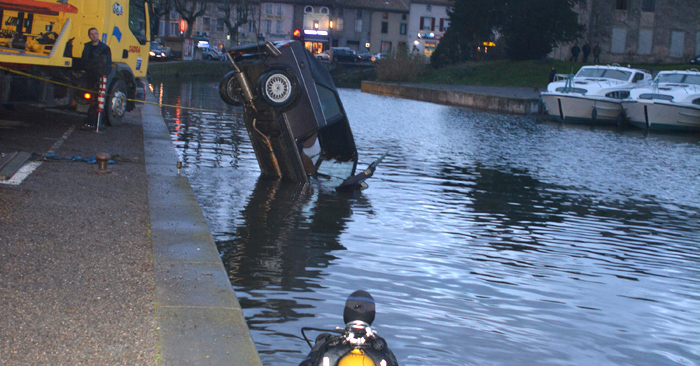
[
  {"x": 427, "y": 23},
  {"x": 363, "y": 25},
  {"x": 639, "y": 31}
]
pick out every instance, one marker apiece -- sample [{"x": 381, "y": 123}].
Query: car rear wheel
[
  {"x": 278, "y": 88},
  {"x": 230, "y": 89}
]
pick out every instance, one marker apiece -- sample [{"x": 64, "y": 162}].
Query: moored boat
[
  {"x": 593, "y": 95},
  {"x": 671, "y": 102}
]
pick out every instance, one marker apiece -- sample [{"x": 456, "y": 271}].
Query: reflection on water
[{"x": 485, "y": 239}]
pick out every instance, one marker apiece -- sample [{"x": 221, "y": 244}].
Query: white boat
[
  {"x": 671, "y": 102},
  {"x": 593, "y": 95}
]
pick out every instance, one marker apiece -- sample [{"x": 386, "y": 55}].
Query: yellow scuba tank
[
  {"x": 356, "y": 357},
  {"x": 356, "y": 344}
]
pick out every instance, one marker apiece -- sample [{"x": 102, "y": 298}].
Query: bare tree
[
  {"x": 235, "y": 13},
  {"x": 190, "y": 10}
]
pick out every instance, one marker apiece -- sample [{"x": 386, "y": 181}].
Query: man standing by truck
[{"x": 97, "y": 59}]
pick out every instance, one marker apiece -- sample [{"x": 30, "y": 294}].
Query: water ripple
[{"x": 485, "y": 239}]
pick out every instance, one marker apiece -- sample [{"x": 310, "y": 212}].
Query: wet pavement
[
  {"x": 108, "y": 268},
  {"x": 76, "y": 274}
]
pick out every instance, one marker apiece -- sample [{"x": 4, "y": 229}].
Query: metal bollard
[{"x": 102, "y": 160}]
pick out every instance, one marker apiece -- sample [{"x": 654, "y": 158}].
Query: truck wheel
[
  {"x": 115, "y": 103},
  {"x": 278, "y": 88},
  {"x": 230, "y": 89}
]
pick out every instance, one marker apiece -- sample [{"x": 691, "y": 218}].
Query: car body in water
[
  {"x": 293, "y": 114},
  {"x": 366, "y": 56},
  {"x": 343, "y": 54},
  {"x": 211, "y": 54}
]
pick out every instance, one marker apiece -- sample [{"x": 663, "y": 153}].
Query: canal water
[{"x": 485, "y": 239}]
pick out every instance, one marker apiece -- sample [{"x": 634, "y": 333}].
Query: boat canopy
[
  {"x": 679, "y": 78},
  {"x": 601, "y": 72}
]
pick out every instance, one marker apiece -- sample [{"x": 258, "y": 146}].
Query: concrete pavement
[{"x": 107, "y": 269}]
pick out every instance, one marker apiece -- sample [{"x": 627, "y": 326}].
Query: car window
[{"x": 329, "y": 104}]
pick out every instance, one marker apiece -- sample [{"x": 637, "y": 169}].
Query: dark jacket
[
  {"x": 98, "y": 59},
  {"x": 586, "y": 49}
]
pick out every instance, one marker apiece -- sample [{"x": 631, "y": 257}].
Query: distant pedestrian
[
  {"x": 575, "y": 50},
  {"x": 586, "y": 51},
  {"x": 552, "y": 74},
  {"x": 596, "y": 54}
]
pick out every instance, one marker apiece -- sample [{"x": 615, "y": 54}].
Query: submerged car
[{"x": 293, "y": 114}]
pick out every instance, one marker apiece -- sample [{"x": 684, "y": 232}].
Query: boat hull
[
  {"x": 580, "y": 109},
  {"x": 656, "y": 115}
]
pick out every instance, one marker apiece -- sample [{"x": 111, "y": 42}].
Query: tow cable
[{"x": 94, "y": 92}]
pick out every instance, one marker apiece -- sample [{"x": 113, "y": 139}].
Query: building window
[
  {"x": 428, "y": 7},
  {"x": 174, "y": 28},
  {"x": 309, "y": 9},
  {"x": 267, "y": 26},
  {"x": 220, "y": 25},
  {"x": 268, "y": 9},
  {"x": 206, "y": 24},
  {"x": 677, "y": 44},
  {"x": 358, "y": 25},
  {"x": 174, "y": 15},
  {"x": 385, "y": 47},
  {"x": 324, "y": 10},
  {"x": 621, "y": 4},
  {"x": 385, "y": 16},
  {"x": 251, "y": 26},
  {"x": 619, "y": 40},
  {"x": 339, "y": 24},
  {"x": 403, "y": 17},
  {"x": 278, "y": 26},
  {"x": 385, "y": 27},
  {"x": 648, "y": 5},
  {"x": 359, "y": 13},
  {"x": 280, "y": 9},
  {"x": 402, "y": 29},
  {"x": 427, "y": 24},
  {"x": 646, "y": 38}
]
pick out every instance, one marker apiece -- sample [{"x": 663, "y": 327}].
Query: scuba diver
[{"x": 357, "y": 343}]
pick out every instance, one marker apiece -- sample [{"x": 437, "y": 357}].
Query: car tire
[
  {"x": 209, "y": 58},
  {"x": 279, "y": 88},
  {"x": 115, "y": 103},
  {"x": 230, "y": 90}
]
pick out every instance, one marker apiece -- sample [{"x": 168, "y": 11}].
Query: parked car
[
  {"x": 293, "y": 113},
  {"x": 157, "y": 52},
  {"x": 325, "y": 55},
  {"x": 365, "y": 56},
  {"x": 695, "y": 60},
  {"x": 210, "y": 54},
  {"x": 343, "y": 54}
]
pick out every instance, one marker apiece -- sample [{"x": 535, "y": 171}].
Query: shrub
[{"x": 400, "y": 66}]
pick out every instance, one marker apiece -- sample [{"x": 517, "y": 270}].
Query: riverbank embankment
[{"x": 512, "y": 100}]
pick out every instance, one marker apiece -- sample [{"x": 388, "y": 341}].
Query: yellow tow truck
[{"x": 43, "y": 40}]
